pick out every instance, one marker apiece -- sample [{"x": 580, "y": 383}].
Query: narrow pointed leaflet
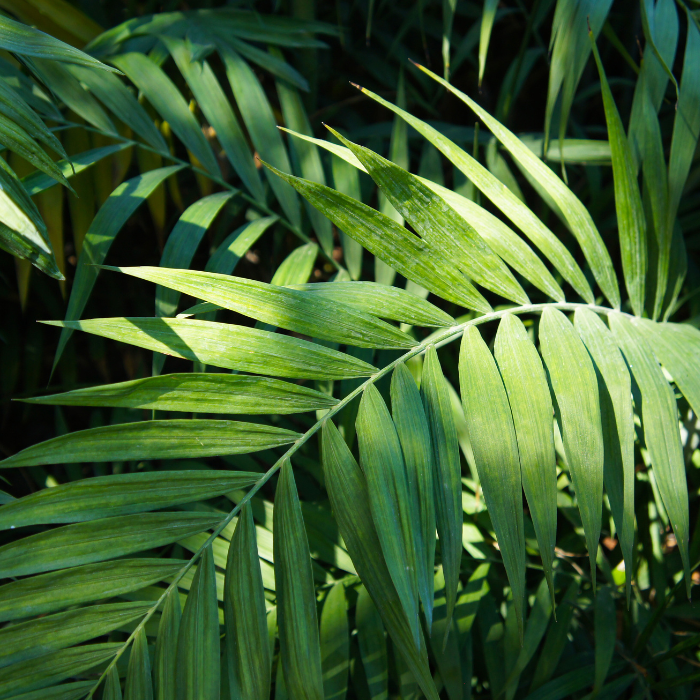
[{"x": 496, "y": 460}]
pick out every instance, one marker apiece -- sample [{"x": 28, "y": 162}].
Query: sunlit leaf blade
[
  {"x": 162, "y": 93},
  {"x": 53, "y": 668},
  {"x": 44, "y": 635},
  {"x": 113, "y": 214},
  {"x": 286, "y": 308},
  {"x": 631, "y": 224},
  {"x": 260, "y": 122},
  {"x": 198, "y": 393},
  {"x": 394, "y": 511},
  {"x": 349, "y": 498},
  {"x": 20, "y": 39},
  {"x": 244, "y": 608},
  {"x": 228, "y": 346},
  {"x": 447, "y": 478},
  {"x": 438, "y": 224},
  {"x": 372, "y": 643},
  {"x": 298, "y": 265},
  {"x": 487, "y": 412},
  {"x": 219, "y": 113},
  {"x": 300, "y": 650},
  {"x": 335, "y": 644},
  {"x": 98, "y": 540},
  {"x": 447, "y": 658},
  {"x": 577, "y": 216},
  {"x": 346, "y": 179},
  {"x": 605, "y": 634},
  {"x": 502, "y": 240},
  {"x": 38, "y": 182},
  {"x": 167, "y": 439},
  {"x": 139, "y": 685},
  {"x": 50, "y": 592},
  {"x": 183, "y": 242},
  {"x": 503, "y": 198},
  {"x": 380, "y": 300},
  {"x": 120, "y": 494},
  {"x": 659, "y": 415},
  {"x": 573, "y": 381},
  {"x": 197, "y": 660},
  {"x": 677, "y": 347},
  {"x": 165, "y": 658},
  {"x": 236, "y": 245},
  {"x": 391, "y": 243},
  {"x": 119, "y": 100},
  {"x": 488, "y": 15},
  {"x": 531, "y": 408},
  {"x": 412, "y": 428},
  {"x": 615, "y": 393}
]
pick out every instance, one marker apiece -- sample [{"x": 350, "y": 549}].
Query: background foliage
[{"x": 529, "y": 65}]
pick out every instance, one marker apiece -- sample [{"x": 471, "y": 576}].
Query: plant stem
[{"x": 447, "y": 336}]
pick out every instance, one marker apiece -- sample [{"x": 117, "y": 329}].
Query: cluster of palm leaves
[{"x": 364, "y": 532}]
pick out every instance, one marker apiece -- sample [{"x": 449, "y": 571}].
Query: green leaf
[
  {"x": 380, "y": 300},
  {"x": 38, "y": 182},
  {"x": 346, "y": 179},
  {"x": 138, "y": 684},
  {"x": 372, "y": 643},
  {"x": 438, "y": 224},
  {"x": 605, "y": 635},
  {"x": 120, "y": 494},
  {"x": 84, "y": 584},
  {"x": 488, "y": 15},
  {"x": 287, "y": 308},
  {"x": 503, "y": 198},
  {"x": 218, "y": 112},
  {"x": 198, "y": 393},
  {"x": 166, "y": 439},
  {"x": 182, "y": 245},
  {"x": 531, "y": 407},
  {"x": 394, "y": 511},
  {"x": 272, "y": 62},
  {"x": 659, "y": 415},
  {"x": 448, "y": 485},
  {"x": 349, "y": 498},
  {"x": 236, "y": 245},
  {"x": 53, "y": 668},
  {"x": 244, "y": 607},
  {"x": 260, "y": 123},
  {"x": 113, "y": 689},
  {"x": 412, "y": 428},
  {"x": 615, "y": 394},
  {"x": 122, "y": 103},
  {"x": 307, "y": 156},
  {"x": 27, "y": 640},
  {"x": 502, "y": 240},
  {"x": 335, "y": 644},
  {"x": 165, "y": 659},
  {"x": 170, "y": 104},
  {"x": 487, "y": 412},
  {"x": 98, "y": 540},
  {"x": 197, "y": 659},
  {"x": 300, "y": 651},
  {"x": 296, "y": 267},
  {"x": 578, "y": 218},
  {"x": 631, "y": 223},
  {"x": 16, "y": 139},
  {"x": 573, "y": 380},
  {"x": 113, "y": 214},
  {"x": 69, "y": 90},
  {"x": 18, "y": 38},
  {"x": 390, "y": 242},
  {"x": 676, "y": 346},
  {"x": 228, "y": 346},
  {"x": 447, "y": 658}
]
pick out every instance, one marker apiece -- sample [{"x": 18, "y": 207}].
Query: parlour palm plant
[{"x": 377, "y": 485}]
